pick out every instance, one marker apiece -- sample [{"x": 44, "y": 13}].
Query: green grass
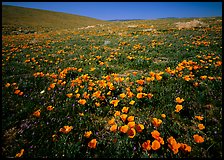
[
  {"x": 36, "y": 20},
  {"x": 77, "y": 53}
]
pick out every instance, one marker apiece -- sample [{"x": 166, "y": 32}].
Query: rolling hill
[{"x": 20, "y": 18}]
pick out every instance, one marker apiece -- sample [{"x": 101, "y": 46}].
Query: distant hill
[
  {"x": 125, "y": 20},
  {"x": 36, "y": 19}
]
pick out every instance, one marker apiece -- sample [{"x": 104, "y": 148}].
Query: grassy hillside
[{"x": 38, "y": 20}]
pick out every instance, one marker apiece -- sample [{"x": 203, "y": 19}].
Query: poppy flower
[
  {"x": 122, "y": 95},
  {"x": 156, "y": 122},
  {"x": 139, "y": 89},
  {"x": 179, "y": 100},
  {"x": 185, "y": 147},
  {"x": 7, "y": 85},
  {"x": 111, "y": 122},
  {"x": 173, "y": 145},
  {"x": 113, "y": 128},
  {"x": 200, "y": 118},
  {"x": 87, "y": 134},
  {"x": 20, "y": 153},
  {"x": 146, "y": 145},
  {"x": 124, "y": 129},
  {"x": 81, "y": 114},
  {"x": 114, "y": 102},
  {"x": 203, "y": 77},
  {"x": 160, "y": 140},
  {"x": 125, "y": 109},
  {"x": 131, "y": 133},
  {"x": 37, "y": 113},
  {"x": 150, "y": 95},
  {"x": 163, "y": 115},
  {"x": 17, "y": 91},
  {"x": 131, "y": 118},
  {"x": 20, "y": 93},
  {"x": 139, "y": 127},
  {"x": 201, "y": 126},
  {"x": 155, "y": 134},
  {"x": 139, "y": 95},
  {"x": 82, "y": 101},
  {"x": 158, "y": 77},
  {"x": 66, "y": 129},
  {"x": 140, "y": 81},
  {"x": 52, "y": 85},
  {"x": 69, "y": 95},
  {"x": 132, "y": 102},
  {"x": 155, "y": 145},
  {"x": 178, "y": 108},
  {"x": 124, "y": 117},
  {"x": 97, "y": 104},
  {"x": 50, "y": 108},
  {"x": 117, "y": 113},
  {"x": 198, "y": 139},
  {"x": 131, "y": 124},
  {"x": 92, "y": 144}
]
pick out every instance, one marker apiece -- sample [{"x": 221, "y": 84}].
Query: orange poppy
[
  {"x": 52, "y": 85},
  {"x": 131, "y": 124},
  {"x": 113, "y": 128},
  {"x": 173, "y": 145},
  {"x": 155, "y": 145},
  {"x": 125, "y": 109},
  {"x": 87, "y": 134},
  {"x": 124, "y": 129},
  {"x": 69, "y": 95},
  {"x": 131, "y": 133},
  {"x": 114, "y": 102},
  {"x": 139, "y": 95},
  {"x": 150, "y": 95},
  {"x": 20, "y": 153},
  {"x": 185, "y": 147},
  {"x": 17, "y": 91},
  {"x": 140, "y": 81},
  {"x": 201, "y": 126},
  {"x": 198, "y": 139},
  {"x": 163, "y": 115},
  {"x": 92, "y": 144},
  {"x": 155, "y": 134},
  {"x": 122, "y": 95},
  {"x": 146, "y": 145},
  {"x": 82, "y": 101},
  {"x": 66, "y": 129},
  {"x": 160, "y": 140},
  {"x": 179, "y": 100},
  {"x": 111, "y": 122},
  {"x": 7, "y": 85},
  {"x": 123, "y": 117},
  {"x": 178, "y": 108},
  {"x": 131, "y": 118},
  {"x": 37, "y": 113},
  {"x": 50, "y": 108},
  {"x": 117, "y": 113},
  {"x": 156, "y": 122},
  {"x": 139, "y": 127},
  {"x": 200, "y": 118}
]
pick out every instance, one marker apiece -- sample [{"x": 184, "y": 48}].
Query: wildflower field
[{"x": 133, "y": 89}]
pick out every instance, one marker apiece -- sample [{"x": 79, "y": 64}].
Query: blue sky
[{"x": 129, "y": 10}]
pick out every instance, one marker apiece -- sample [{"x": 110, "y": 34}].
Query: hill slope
[{"x": 36, "y": 19}]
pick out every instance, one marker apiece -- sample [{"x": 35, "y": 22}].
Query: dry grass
[{"x": 191, "y": 24}]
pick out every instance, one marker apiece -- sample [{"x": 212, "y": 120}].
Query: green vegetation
[
  {"x": 123, "y": 89},
  {"x": 36, "y": 20}
]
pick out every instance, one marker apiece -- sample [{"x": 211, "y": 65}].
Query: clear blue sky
[{"x": 129, "y": 10}]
